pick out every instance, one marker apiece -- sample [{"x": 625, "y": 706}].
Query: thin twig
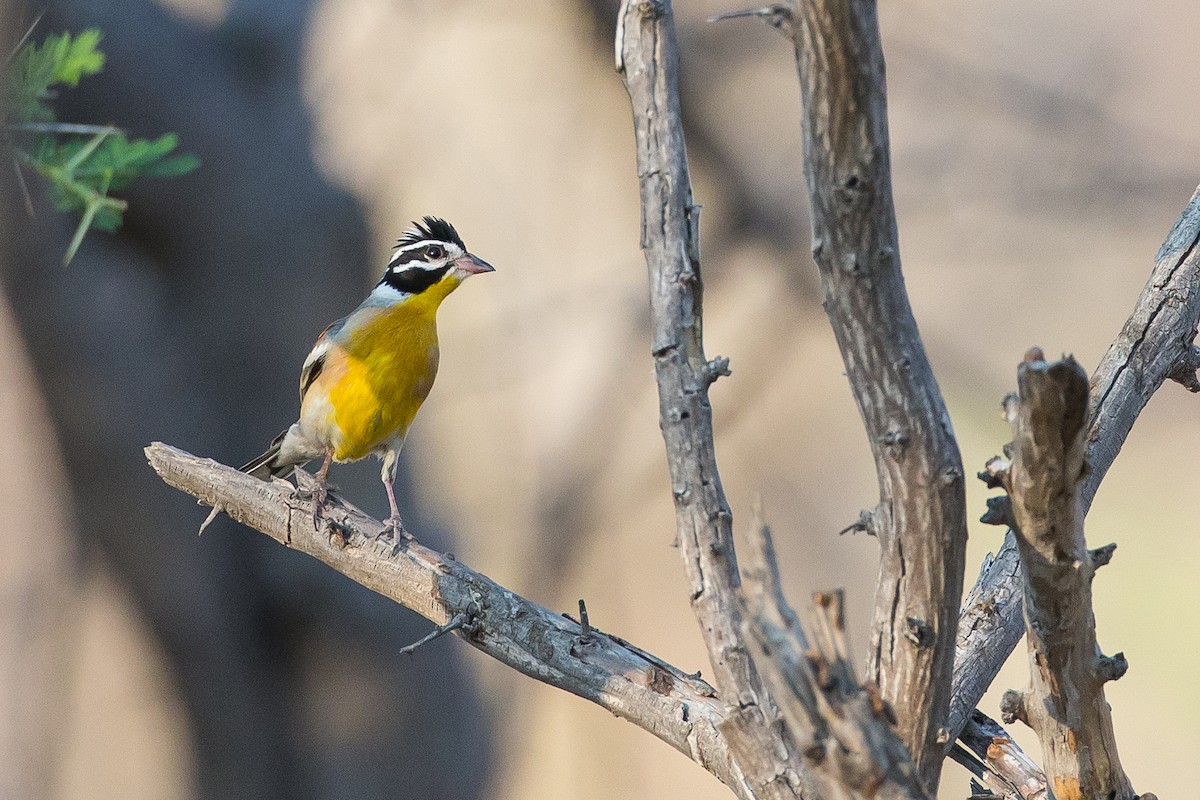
[
  {"x": 24, "y": 190},
  {"x": 777, "y": 15},
  {"x": 212, "y": 515},
  {"x": 585, "y": 633},
  {"x": 71, "y": 128},
  {"x": 25, "y": 37},
  {"x": 455, "y": 623}
]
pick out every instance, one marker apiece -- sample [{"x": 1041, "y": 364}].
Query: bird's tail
[{"x": 269, "y": 464}]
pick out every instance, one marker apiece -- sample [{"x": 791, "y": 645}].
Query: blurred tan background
[{"x": 1040, "y": 156}]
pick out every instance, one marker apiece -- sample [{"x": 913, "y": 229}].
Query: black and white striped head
[{"x": 429, "y": 253}]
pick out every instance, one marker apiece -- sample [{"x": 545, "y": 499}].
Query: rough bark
[
  {"x": 845, "y": 731},
  {"x": 680, "y": 709},
  {"x": 921, "y": 518},
  {"x": 1150, "y": 349},
  {"x": 1066, "y": 704},
  {"x": 647, "y": 59},
  {"x": 1009, "y": 772}
]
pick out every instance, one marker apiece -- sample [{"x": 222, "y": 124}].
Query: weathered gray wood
[
  {"x": 1155, "y": 340},
  {"x": 921, "y": 519},
  {"x": 845, "y": 732},
  {"x": 1065, "y": 704},
  {"x": 1154, "y": 343},
  {"x": 680, "y": 709},
  {"x": 1014, "y": 773},
  {"x": 988, "y": 629},
  {"x": 647, "y": 59}
]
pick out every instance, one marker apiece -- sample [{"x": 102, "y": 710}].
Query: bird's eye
[{"x": 435, "y": 251}]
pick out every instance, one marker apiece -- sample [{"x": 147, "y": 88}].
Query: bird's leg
[
  {"x": 395, "y": 526},
  {"x": 320, "y": 490}
]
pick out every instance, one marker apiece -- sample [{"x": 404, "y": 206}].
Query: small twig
[
  {"x": 25, "y": 37},
  {"x": 456, "y": 622},
  {"x": 864, "y": 524},
  {"x": 777, "y": 15},
  {"x": 216, "y": 510},
  {"x": 24, "y": 189},
  {"x": 1185, "y": 372},
  {"x": 1102, "y": 555},
  {"x": 585, "y": 634},
  {"x": 66, "y": 128}
]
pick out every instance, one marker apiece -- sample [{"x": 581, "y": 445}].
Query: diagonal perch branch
[{"x": 678, "y": 708}]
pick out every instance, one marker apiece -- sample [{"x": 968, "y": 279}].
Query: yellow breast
[{"x": 390, "y": 364}]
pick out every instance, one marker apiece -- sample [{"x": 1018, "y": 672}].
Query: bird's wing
[{"x": 316, "y": 357}]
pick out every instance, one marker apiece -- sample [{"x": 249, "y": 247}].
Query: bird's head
[{"x": 431, "y": 253}]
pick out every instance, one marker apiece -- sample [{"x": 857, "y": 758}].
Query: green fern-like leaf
[
  {"x": 36, "y": 70},
  {"x": 80, "y": 169}
]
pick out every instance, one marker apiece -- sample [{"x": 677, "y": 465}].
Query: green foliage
[
  {"x": 35, "y": 71},
  {"x": 81, "y": 164}
]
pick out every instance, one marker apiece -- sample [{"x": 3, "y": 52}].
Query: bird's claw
[
  {"x": 393, "y": 529},
  {"x": 319, "y": 493}
]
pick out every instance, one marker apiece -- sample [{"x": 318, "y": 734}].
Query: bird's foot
[
  {"x": 393, "y": 529},
  {"x": 319, "y": 493}
]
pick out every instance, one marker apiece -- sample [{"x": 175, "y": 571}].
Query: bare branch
[
  {"x": 678, "y": 708},
  {"x": 1156, "y": 339},
  {"x": 1015, "y": 772},
  {"x": 921, "y": 520},
  {"x": 647, "y": 59},
  {"x": 845, "y": 731},
  {"x": 777, "y": 15},
  {"x": 989, "y": 629},
  {"x": 1066, "y": 705}
]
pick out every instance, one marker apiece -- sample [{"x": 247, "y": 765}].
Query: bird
[{"x": 368, "y": 373}]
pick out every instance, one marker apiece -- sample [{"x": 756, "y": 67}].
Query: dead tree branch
[
  {"x": 647, "y": 59},
  {"x": 1065, "y": 705},
  {"x": 921, "y": 520},
  {"x": 680, "y": 709},
  {"x": 1009, "y": 772},
  {"x": 1155, "y": 340},
  {"x": 846, "y": 732}
]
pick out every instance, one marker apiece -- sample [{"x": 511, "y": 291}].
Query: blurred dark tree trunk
[{"x": 190, "y": 326}]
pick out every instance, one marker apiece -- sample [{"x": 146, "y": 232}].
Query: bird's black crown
[{"x": 433, "y": 229}]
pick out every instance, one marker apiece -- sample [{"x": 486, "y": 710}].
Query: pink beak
[{"x": 473, "y": 265}]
